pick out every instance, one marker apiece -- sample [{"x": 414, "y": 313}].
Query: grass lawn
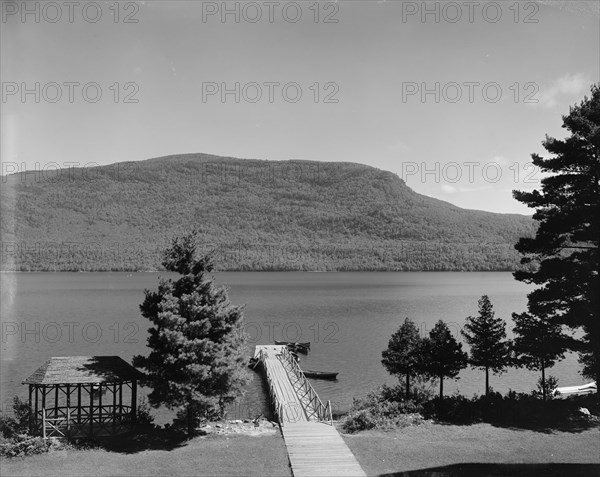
[
  {"x": 210, "y": 456},
  {"x": 430, "y": 446},
  {"x": 475, "y": 450}
]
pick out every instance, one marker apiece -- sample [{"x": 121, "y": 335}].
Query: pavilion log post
[
  {"x": 68, "y": 408},
  {"x": 114, "y": 408},
  {"x": 44, "y": 411},
  {"x": 121, "y": 399},
  {"x": 100, "y": 407},
  {"x": 91, "y": 413},
  {"x": 79, "y": 404},
  {"x": 56, "y": 402},
  {"x": 30, "y": 409},
  {"x": 133, "y": 403},
  {"x": 36, "y": 407}
]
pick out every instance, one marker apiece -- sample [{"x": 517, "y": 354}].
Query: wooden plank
[{"x": 316, "y": 449}]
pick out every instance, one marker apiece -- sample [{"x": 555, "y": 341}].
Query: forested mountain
[{"x": 255, "y": 215}]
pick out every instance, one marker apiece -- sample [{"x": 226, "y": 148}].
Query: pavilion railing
[{"x": 79, "y": 421}]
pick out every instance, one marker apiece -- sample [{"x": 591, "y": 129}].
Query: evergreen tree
[
  {"x": 197, "y": 359},
  {"x": 486, "y": 335},
  {"x": 538, "y": 344},
  {"x": 566, "y": 242},
  {"x": 401, "y": 358},
  {"x": 442, "y": 355}
]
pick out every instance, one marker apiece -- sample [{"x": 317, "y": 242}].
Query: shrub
[
  {"x": 515, "y": 409},
  {"x": 384, "y": 408},
  {"x": 422, "y": 391},
  {"x": 390, "y": 393},
  {"x": 23, "y": 445},
  {"x": 10, "y": 427},
  {"x": 144, "y": 418},
  {"x": 361, "y": 420},
  {"x": 22, "y": 412},
  {"x": 15, "y": 440},
  {"x": 392, "y": 409},
  {"x": 550, "y": 385},
  {"x": 457, "y": 409}
]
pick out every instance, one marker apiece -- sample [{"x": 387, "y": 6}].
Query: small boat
[
  {"x": 319, "y": 374},
  {"x": 588, "y": 388},
  {"x": 302, "y": 347},
  {"x": 297, "y": 349}
]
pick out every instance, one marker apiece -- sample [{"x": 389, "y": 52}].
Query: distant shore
[{"x": 265, "y": 271}]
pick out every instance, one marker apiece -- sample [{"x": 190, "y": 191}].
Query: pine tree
[
  {"x": 566, "y": 243},
  {"x": 486, "y": 335},
  {"x": 401, "y": 358},
  {"x": 538, "y": 343},
  {"x": 197, "y": 360},
  {"x": 442, "y": 355}
]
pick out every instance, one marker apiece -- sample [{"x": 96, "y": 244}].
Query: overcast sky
[{"x": 504, "y": 78}]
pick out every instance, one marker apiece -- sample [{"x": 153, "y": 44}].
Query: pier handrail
[{"x": 314, "y": 399}]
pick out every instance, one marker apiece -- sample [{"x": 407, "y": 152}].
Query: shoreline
[{"x": 264, "y": 271}]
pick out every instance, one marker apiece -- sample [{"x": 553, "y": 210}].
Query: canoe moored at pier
[{"x": 320, "y": 374}]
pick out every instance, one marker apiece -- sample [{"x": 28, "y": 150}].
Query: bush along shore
[{"x": 388, "y": 408}]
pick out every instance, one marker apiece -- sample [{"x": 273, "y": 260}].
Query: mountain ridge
[{"x": 254, "y": 214}]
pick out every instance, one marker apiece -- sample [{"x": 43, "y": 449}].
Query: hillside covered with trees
[{"x": 255, "y": 215}]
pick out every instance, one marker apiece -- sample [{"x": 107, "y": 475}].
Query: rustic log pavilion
[{"x": 83, "y": 396}]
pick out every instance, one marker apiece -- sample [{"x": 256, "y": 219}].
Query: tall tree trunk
[
  {"x": 597, "y": 381},
  {"x": 190, "y": 421},
  {"x": 407, "y": 385},
  {"x": 441, "y": 408},
  {"x": 543, "y": 381},
  {"x": 487, "y": 381}
]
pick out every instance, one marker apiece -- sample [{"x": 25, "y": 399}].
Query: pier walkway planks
[
  {"x": 314, "y": 446},
  {"x": 317, "y": 449},
  {"x": 287, "y": 402}
]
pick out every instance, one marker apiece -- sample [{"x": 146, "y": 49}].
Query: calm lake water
[{"x": 347, "y": 317}]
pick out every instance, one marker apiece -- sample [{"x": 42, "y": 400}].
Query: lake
[{"x": 347, "y": 317}]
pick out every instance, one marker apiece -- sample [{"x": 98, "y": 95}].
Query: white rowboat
[{"x": 583, "y": 389}]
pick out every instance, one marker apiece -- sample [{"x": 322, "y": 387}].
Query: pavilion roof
[{"x": 82, "y": 370}]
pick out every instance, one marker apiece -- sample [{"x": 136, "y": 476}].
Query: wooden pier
[{"x": 314, "y": 446}]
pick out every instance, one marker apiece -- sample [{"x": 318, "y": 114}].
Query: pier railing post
[{"x": 280, "y": 414}]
